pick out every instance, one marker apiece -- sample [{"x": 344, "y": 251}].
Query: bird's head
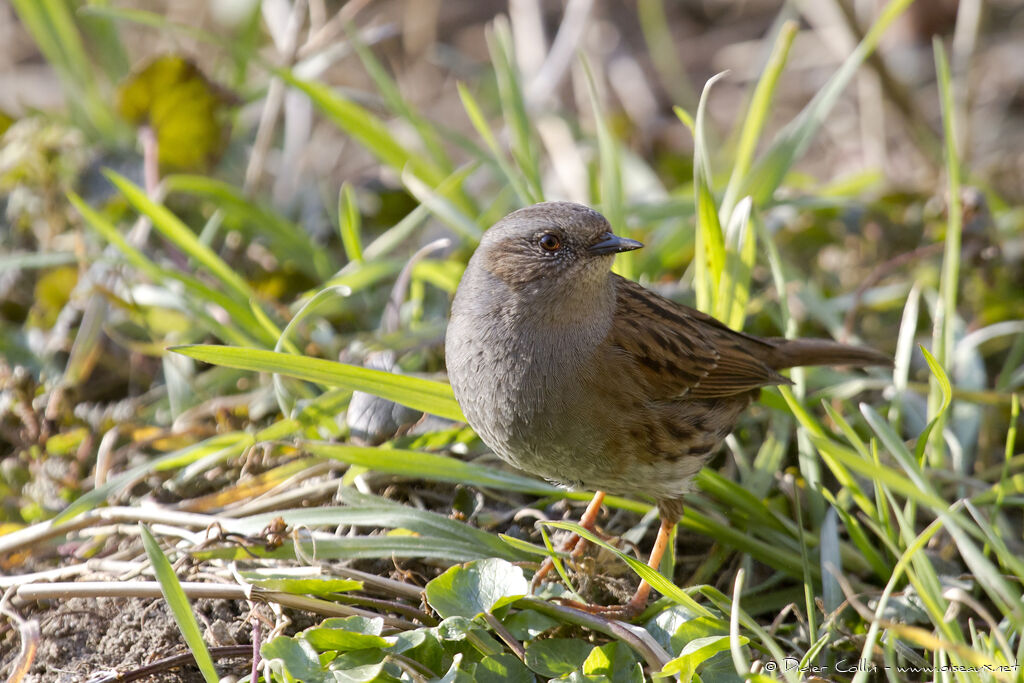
[{"x": 551, "y": 247}]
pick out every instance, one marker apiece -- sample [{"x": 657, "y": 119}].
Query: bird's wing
[{"x": 678, "y": 351}]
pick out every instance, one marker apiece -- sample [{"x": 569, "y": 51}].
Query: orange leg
[
  {"x": 638, "y": 602},
  {"x": 575, "y": 543}
]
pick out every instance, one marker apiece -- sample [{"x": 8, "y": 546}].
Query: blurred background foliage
[{"x": 310, "y": 177}]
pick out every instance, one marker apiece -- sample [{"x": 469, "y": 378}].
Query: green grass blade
[
  {"x": 610, "y": 175},
  {"x": 349, "y": 223},
  {"x": 370, "y": 511},
  {"x": 756, "y": 117},
  {"x": 709, "y": 247},
  {"x": 741, "y": 252},
  {"x": 522, "y": 143},
  {"x": 53, "y": 29},
  {"x": 945, "y": 313},
  {"x": 286, "y": 239},
  {"x": 356, "y": 547},
  {"x": 388, "y": 89},
  {"x": 179, "y": 605},
  {"x": 251, "y": 330},
  {"x": 431, "y": 466},
  {"x": 441, "y": 206},
  {"x": 181, "y": 236},
  {"x": 793, "y": 140},
  {"x": 420, "y": 394},
  {"x": 513, "y": 177},
  {"x": 945, "y": 389},
  {"x": 367, "y": 129},
  {"x": 285, "y": 399},
  {"x": 657, "y": 581}
]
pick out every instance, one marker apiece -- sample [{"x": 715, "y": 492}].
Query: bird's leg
[
  {"x": 638, "y": 602},
  {"x": 575, "y": 543}
]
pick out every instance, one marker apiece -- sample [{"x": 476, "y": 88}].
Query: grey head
[{"x": 549, "y": 248}]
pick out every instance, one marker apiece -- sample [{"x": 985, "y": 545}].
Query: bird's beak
[{"x": 613, "y": 244}]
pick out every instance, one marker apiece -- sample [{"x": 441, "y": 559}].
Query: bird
[{"x": 584, "y": 378}]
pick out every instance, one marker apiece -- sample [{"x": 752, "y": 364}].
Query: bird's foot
[{"x": 625, "y": 612}]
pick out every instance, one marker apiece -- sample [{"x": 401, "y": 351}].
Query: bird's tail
[{"x": 791, "y": 353}]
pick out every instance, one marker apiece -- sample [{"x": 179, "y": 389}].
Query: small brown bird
[{"x": 579, "y": 376}]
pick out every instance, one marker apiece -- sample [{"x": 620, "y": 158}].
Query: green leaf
[
  {"x": 557, "y": 656},
  {"x": 293, "y": 659},
  {"x": 527, "y": 624},
  {"x": 695, "y": 653},
  {"x": 201, "y": 295},
  {"x": 180, "y": 608},
  {"x": 185, "y": 110},
  {"x": 422, "y": 394},
  {"x": 347, "y": 633},
  {"x": 364, "y": 510},
  {"x": 502, "y": 668},
  {"x": 475, "y": 588},
  {"x": 945, "y": 389},
  {"x": 476, "y": 117},
  {"x": 616, "y": 661},
  {"x": 24, "y": 260},
  {"x": 610, "y": 177}
]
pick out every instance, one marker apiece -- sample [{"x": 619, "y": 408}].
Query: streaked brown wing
[{"x": 682, "y": 352}]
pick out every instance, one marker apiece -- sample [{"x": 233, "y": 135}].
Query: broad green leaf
[
  {"x": 527, "y": 624},
  {"x": 475, "y": 588},
  {"x": 347, "y": 633},
  {"x": 421, "y": 394},
  {"x": 293, "y": 659},
  {"x": 502, "y": 668},
  {"x": 557, "y": 656},
  {"x": 616, "y": 661},
  {"x": 695, "y": 653}
]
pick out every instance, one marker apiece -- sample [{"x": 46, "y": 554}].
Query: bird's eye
[{"x": 550, "y": 242}]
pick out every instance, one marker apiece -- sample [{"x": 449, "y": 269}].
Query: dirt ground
[{"x": 89, "y": 639}]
